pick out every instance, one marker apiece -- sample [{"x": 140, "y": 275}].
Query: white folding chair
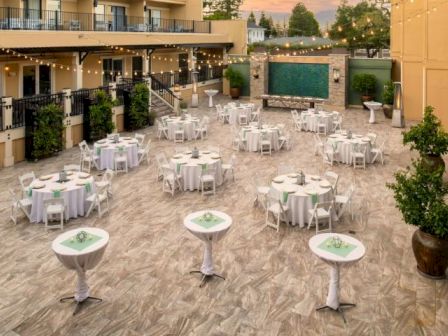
[
  {"x": 140, "y": 137},
  {"x": 255, "y": 115},
  {"x": 378, "y": 152},
  {"x": 200, "y": 131},
  {"x": 171, "y": 180},
  {"x": 333, "y": 179},
  {"x": 100, "y": 196},
  {"x": 341, "y": 202},
  {"x": 229, "y": 167},
  {"x": 337, "y": 121},
  {"x": 143, "y": 153},
  {"x": 320, "y": 212},
  {"x": 208, "y": 181},
  {"x": 330, "y": 154},
  {"x": 359, "y": 155},
  {"x": 238, "y": 142},
  {"x": 372, "y": 137},
  {"x": 54, "y": 207},
  {"x": 121, "y": 161},
  {"x": 88, "y": 158},
  {"x": 162, "y": 161},
  {"x": 72, "y": 167},
  {"x": 162, "y": 129},
  {"x": 300, "y": 122},
  {"x": 261, "y": 191},
  {"x": 23, "y": 205},
  {"x": 179, "y": 134},
  {"x": 322, "y": 125},
  {"x": 318, "y": 145},
  {"x": 25, "y": 182},
  {"x": 219, "y": 111},
  {"x": 243, "y": 116},
  {"x": 284, "y": 141},
  {"x": 277, "y": 209},
  {"x": 265, "y": 143},
  {"x": 106, "y": 181}
]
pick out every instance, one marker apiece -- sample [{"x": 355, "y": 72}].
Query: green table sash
[
  {"x": 56, "y": 193},
  {"x": 285, "y": 197},
  {"x": 98, "y": 151},
  {"x": 204, "y": 167},
  {"x": 339, "y": 251},
  {"x": 178, "y": 165},
  {"x": 88, "y": 187},
  {"x": 29, "y": 192},
  {"x": 314, "y": 199},
  {"x": 73, "y": 243},
  {"x": 207, "y": 224}
]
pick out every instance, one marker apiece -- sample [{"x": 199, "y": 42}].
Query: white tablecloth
[
  {"x": 191, "y": 169},
  {"x": 345, "y": 146},
  {"x": 234, "y": 112},
  {"x": 74, "y": 195},
  {"x": 300, "y": 198},
  {"x": 335, "y": 261},
  {"x": 81, "y": 261},
  {"x": 106, "y": 148},
  {"x": 212, "y": 234},
  {"x": 252, "y": 135},
  {"x": 188, "y": 125},
  {"x": 312, "y": 120}
]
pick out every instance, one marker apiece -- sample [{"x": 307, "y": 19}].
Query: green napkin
[
  {"x": 30, "y": 192},
  {"x": 285, "y": 197},
  {"x": 314, "y": 199},
  {"x": 98, "y": 150},
  {"x": 204, "y": 167},
  {"x": 78, "y": 246},
  {"x": 56, "y": 193},
  {"x": 207, "y": 224},
  {"x": 88, "y": 187},
  {"x": 342, "y": 251}
]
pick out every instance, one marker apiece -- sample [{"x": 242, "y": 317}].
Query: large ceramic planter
[
  {"x": 388, "y": 109},
  {"x": 431, "y": 254},
  {"x": 433, "y": 162},
  {"x": 235, "y": 93}
]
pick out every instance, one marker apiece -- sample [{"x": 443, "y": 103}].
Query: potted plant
[
  {"x": 420, "y": 196},
  {"x": 388, "y": 99},
  {"x": 364, "y": 84},
  {"x": 429, "y": 139},
  {"x": 236, "y": 81}
]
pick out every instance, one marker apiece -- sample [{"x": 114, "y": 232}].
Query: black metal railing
[
  {"x": 169, "y": 79},
  {"x": 163, "y": 91},
  {"x": 79, "y": 96},
  {"x": 32, "y": 19},
  {"x": 1, "y": 114},
  {"x": 19, "y": 106}
]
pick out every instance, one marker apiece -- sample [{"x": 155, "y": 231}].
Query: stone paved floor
[{"x": 273, "y": 280}]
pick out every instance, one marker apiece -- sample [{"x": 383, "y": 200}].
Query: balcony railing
[{"x": 30, "y": 19}]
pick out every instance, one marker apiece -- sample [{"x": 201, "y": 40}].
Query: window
[
  {"x": 36, "y": 79},
  {"x": 112, "y": 68},
  {"x": 33, "y": 8},
  {"x": 44, "y": 79},
  {"x": 29, "y": 80},
  {"x": 137, "y": 68}
]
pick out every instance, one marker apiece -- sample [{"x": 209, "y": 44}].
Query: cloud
[{"x": 287, "y": 5}]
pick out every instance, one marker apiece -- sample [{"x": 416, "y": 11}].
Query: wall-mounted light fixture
[
  {"x": 336, "y": 75},
  {"x": 256, "y": 72}
]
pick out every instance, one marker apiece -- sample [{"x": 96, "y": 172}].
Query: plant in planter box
[
  {"x": 101, "y": 116},
  {"x": 48, "y": 135},
  {"x": 365, "y": 84},
  {"x": 420, "y": 196},
  {"x": 139, "y": 109},
  {"x": 236, "y": 81},
  {"x": 388, "y": 99},
  {"x": 429, "y": 139}
]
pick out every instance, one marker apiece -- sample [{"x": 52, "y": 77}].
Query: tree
[
  {"x": 364, "y": 26},
  {"x": 251, "y": 17},
  {"x": 302, "y": 22},
  {"x": 223, "y": 9},
  {"x": 264, "y": 23}
]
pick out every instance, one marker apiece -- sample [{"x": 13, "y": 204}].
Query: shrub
[
  {"x": 139, "y": 109},
  {"x": 101, "y": 116},
  {"x": 388, "y": 93},
  {"x": 364, "y": 84}
]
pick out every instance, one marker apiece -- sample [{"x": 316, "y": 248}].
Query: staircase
[{"x": 159, "y": 106}]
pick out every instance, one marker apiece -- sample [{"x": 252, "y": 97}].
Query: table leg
[
  {"x": 207, "y": 265},
  {"x": 372, "y": 116},
  {"x": 333, "y": 294},
  {"x": 210, "y": 101},
  {"x": 81, "y": 294}
]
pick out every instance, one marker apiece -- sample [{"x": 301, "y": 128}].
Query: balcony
[{"x": 22, "y": 19}]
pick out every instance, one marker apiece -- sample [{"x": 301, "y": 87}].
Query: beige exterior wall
[
  {"x": 420, "y": 47},
  {"x": 2, "y": 153},
  {"x": 191, "y": 11},
  {"x": 18, "y": 149},
  {"x": 236, "y": 30}
]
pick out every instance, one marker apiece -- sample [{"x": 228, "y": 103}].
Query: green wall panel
[
  {"x": 298, "y": 79},
  {"x": 381, "y": 68},
  {"x": 244, "y": 68}
]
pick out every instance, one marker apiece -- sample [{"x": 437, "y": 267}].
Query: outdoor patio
[{"x": 273, "y": 281}]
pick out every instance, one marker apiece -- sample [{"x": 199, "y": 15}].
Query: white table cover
[
  {"x": 81, "y": 261},
  {"x": 300, "y": 198},
  {"x": 191, "y": 169},
  {"x": 74, "y": 195},
  {"x": 335, "y": 261},
  {"x": 312, "y": 120},
  {"x": 106, "y": 148},
  {"x": 345, "y": 146},
  {"x": 188, "y": 125},
  {"x": 234, "y": 112},
  {"x": 252, "y": 135},
  {"x": 208, "y": 236}
]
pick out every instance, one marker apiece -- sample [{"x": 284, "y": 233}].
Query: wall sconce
[
  {"x": 145, "y": 8},
  {"x": 256, "y": 72},
  {"x": 95, "y": 3},
  {"x": 176, "y": 88},
  {"x": 336, "y": 75}
]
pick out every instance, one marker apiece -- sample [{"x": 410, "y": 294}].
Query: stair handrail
[{"x": 163, "y": 91}]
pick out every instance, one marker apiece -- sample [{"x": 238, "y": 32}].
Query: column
[
  {"x": 338, "y": 80},
  {"x": 7, "y": 115},
  {"x": 77, "y": 75},
  {"x": 146, "y": 60},
  {"x": 259, "y": 74},
  {"x": 113, "y": 94},
  {"x": 67, "y": 94},
  {"x": 147, "y": 81}
]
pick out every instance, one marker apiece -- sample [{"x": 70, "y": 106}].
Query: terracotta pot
[
  {"x": 365, "y": 98},
  {"x": 235, "y": 93},
  {"x": 431, "y": 254},
  {"x": 388, "y": 109},
  {"x": 433, "y": 162}
]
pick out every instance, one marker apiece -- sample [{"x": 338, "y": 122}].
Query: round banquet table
[
  {"x": 234, "y": 113},
  {"x": 188, "y": 125},
  {"x": 208, "y": 233},
  {"x": 299, "y": 199},
  {"x": 80, "y": 257},
  {"x": 106, "y": 148},
  {"x": 345, "y": 146},
  {"x": 190, "y": 168},
  {"x": 74, "y": 192},
  {"x": 336, "y": 257},
  {"x": 252, "y": 136},
  {"x": 312, "y": 120}
]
